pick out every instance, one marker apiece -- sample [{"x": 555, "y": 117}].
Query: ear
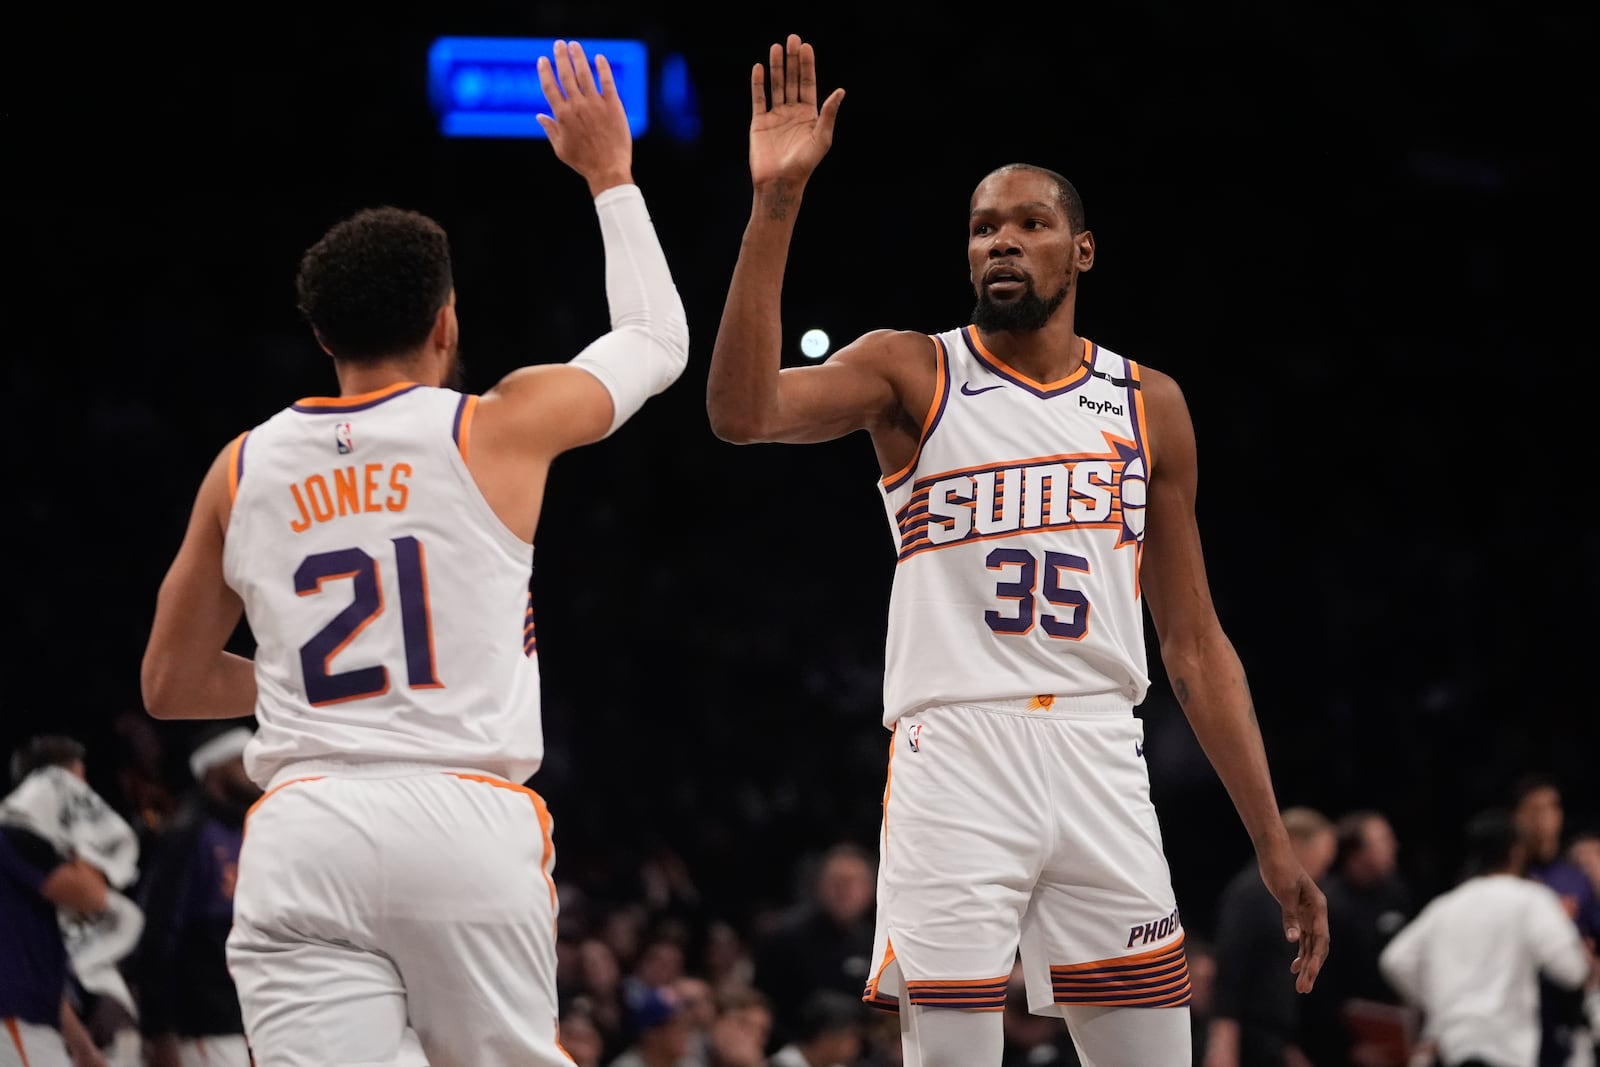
[
  {"x": 445, "y": 327},
  {"x": 320, "y": 342},
  {"x": 1085, "y": 251}
]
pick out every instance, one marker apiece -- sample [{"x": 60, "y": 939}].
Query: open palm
[{"x": 788, "y": 140}]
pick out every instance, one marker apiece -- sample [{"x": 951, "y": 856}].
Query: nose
[{"x": 1004, "y": 244}]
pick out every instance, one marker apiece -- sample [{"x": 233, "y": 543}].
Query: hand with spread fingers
[
  {"x": 789, "y": 139},
  {"x": 587, "y": 125}
]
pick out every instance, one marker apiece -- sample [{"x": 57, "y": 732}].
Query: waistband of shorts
[
  {"x": 337, "y": 768},
  {"x": 1047, "y": 706}
]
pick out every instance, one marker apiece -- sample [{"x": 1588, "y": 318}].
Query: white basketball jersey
[
  {"x": 1018, "y": 526},
  {"x": 389, "y": 604}
]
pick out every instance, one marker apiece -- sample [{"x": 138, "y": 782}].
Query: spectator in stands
[
  {"x": 1256, "y": 1012},
  {"x": 829, "y": 1032},
  {"x": 1368, "y": 901},
  {"x": 742, "y": 1029},
  {"x": 188, "y": 1007},
  {"x": 826, "y": 943},
  {"x": 36, "y": 882},
  {"x": 1537, "y": 809},
  {"x": 1472, "y": 957},
  {"x": 661, "y": 1032}
]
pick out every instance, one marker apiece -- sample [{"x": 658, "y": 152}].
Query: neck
[
  {"x": 368, "y": 377},
  {"x": 1046, "y": 355}
]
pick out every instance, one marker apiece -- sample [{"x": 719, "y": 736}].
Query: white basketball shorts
[
  {"x": 373, "y": 898},
  {"x": 1011, "y": 828}
]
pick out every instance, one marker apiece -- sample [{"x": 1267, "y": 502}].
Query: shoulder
[
  {"x": 1161, "y": 392},
  {"x": 889, "y": 348}
]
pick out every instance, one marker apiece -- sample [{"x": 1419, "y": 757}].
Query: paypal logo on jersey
[{"x": 1099, "y": 407}]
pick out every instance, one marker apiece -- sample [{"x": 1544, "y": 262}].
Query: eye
[
  {"x": 1035, "y": 224},
  {"x": 981, "y": 228}
]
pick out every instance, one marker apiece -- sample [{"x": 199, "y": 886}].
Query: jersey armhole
[
  {"x": 941, "y": 393},
  {"x": 461, "y": 430},
  {"x": 236, "y": 465}
]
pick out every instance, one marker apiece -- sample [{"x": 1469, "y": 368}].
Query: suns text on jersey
[
  {"x": 1105, "y": 491},
  {"x": 352, "y": 490}
]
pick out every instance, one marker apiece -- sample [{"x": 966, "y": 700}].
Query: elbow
[
  {"x": 157, "y": 690},
  {"x": 734, "y": 427}
]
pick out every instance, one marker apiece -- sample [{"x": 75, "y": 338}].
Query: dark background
[{"x": 1361, "y": 238}]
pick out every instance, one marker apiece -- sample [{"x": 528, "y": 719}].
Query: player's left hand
[{"x": 1305, "y": 917}]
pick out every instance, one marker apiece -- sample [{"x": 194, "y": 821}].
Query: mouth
[{"x": 1001, "y": 281}]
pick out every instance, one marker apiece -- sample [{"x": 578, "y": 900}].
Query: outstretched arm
[
  {"x": 547, "y": 409},
  {"x": 187, "y": 672},
  {"x": 748, "y": 398},
  {"x": 1206, "y": 674},
  {"x": 538, "y": 412}
]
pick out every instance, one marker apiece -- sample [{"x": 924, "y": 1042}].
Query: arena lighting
[
  {"x": 814, "y": 343},
  {"x": 489, "y": 86}
]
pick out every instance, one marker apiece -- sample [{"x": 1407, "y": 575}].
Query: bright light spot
[{"x": 814, "y": 344}]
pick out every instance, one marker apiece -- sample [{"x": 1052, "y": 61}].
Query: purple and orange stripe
[
  {"x": 941, "y": 397},
  {"x": 1040, "y": 389},
  {"x": 343, "y": 405},
  {"x": 1158, "y": 978}
]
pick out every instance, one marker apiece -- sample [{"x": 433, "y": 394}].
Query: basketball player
[
  {"x": 1039, "y": 488},
  {"x": 395, "y": 878}
]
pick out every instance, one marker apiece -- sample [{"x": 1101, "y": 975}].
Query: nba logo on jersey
[
  {"x": 341, "y": 438},
  {"x": 914, "y": 736}
]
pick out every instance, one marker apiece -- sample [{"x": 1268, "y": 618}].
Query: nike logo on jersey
[
  {"x": 968, "y": 390},
  {"x": 1138, "y": 750}
]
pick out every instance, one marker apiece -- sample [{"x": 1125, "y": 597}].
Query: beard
[{"x": 1028, "y": 313}]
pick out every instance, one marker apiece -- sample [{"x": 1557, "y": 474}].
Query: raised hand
[
  {"x": 587, "y": 126},
  {"x": 789, "y": 140}
]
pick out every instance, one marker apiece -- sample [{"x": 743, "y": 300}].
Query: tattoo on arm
[
  {"x": 1180, "y": 689},
  {"x": 780, "y": 201}
]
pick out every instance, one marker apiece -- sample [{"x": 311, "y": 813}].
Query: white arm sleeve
[{"x": 648, "y": 345}]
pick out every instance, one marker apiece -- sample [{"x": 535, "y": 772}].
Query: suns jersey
[
  {"x": 1018, "y": 526},
  {"x": 390, "y": 606}
]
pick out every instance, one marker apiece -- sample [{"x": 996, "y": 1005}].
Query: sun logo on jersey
[
  {"x": 342, "y": 439},
  {"x": 1078, "y": 491}
]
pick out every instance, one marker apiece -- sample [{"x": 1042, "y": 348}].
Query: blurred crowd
[{"x": 115, "y": 902}]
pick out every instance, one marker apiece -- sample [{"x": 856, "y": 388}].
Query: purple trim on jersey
[
  {"x": 969, "y": 334},
  {"x": 345, "y": 409},
  {"x": 455, "y": 425},
  {"x": 530, "y": 637},
  {"x": 1131, "y": 390},
  {"x": 939, "y": 404}
]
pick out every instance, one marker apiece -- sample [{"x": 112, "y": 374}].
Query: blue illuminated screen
[{"x": 489, "y": 86}]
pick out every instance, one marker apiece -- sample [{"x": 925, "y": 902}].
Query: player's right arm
[
  {"x": 187, "y": 671},
  {"x": 748, "y": 397},
  {"x": 536, "y": 413}
]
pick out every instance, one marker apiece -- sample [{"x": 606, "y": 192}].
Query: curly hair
[{"x": 373, "y": 285}]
